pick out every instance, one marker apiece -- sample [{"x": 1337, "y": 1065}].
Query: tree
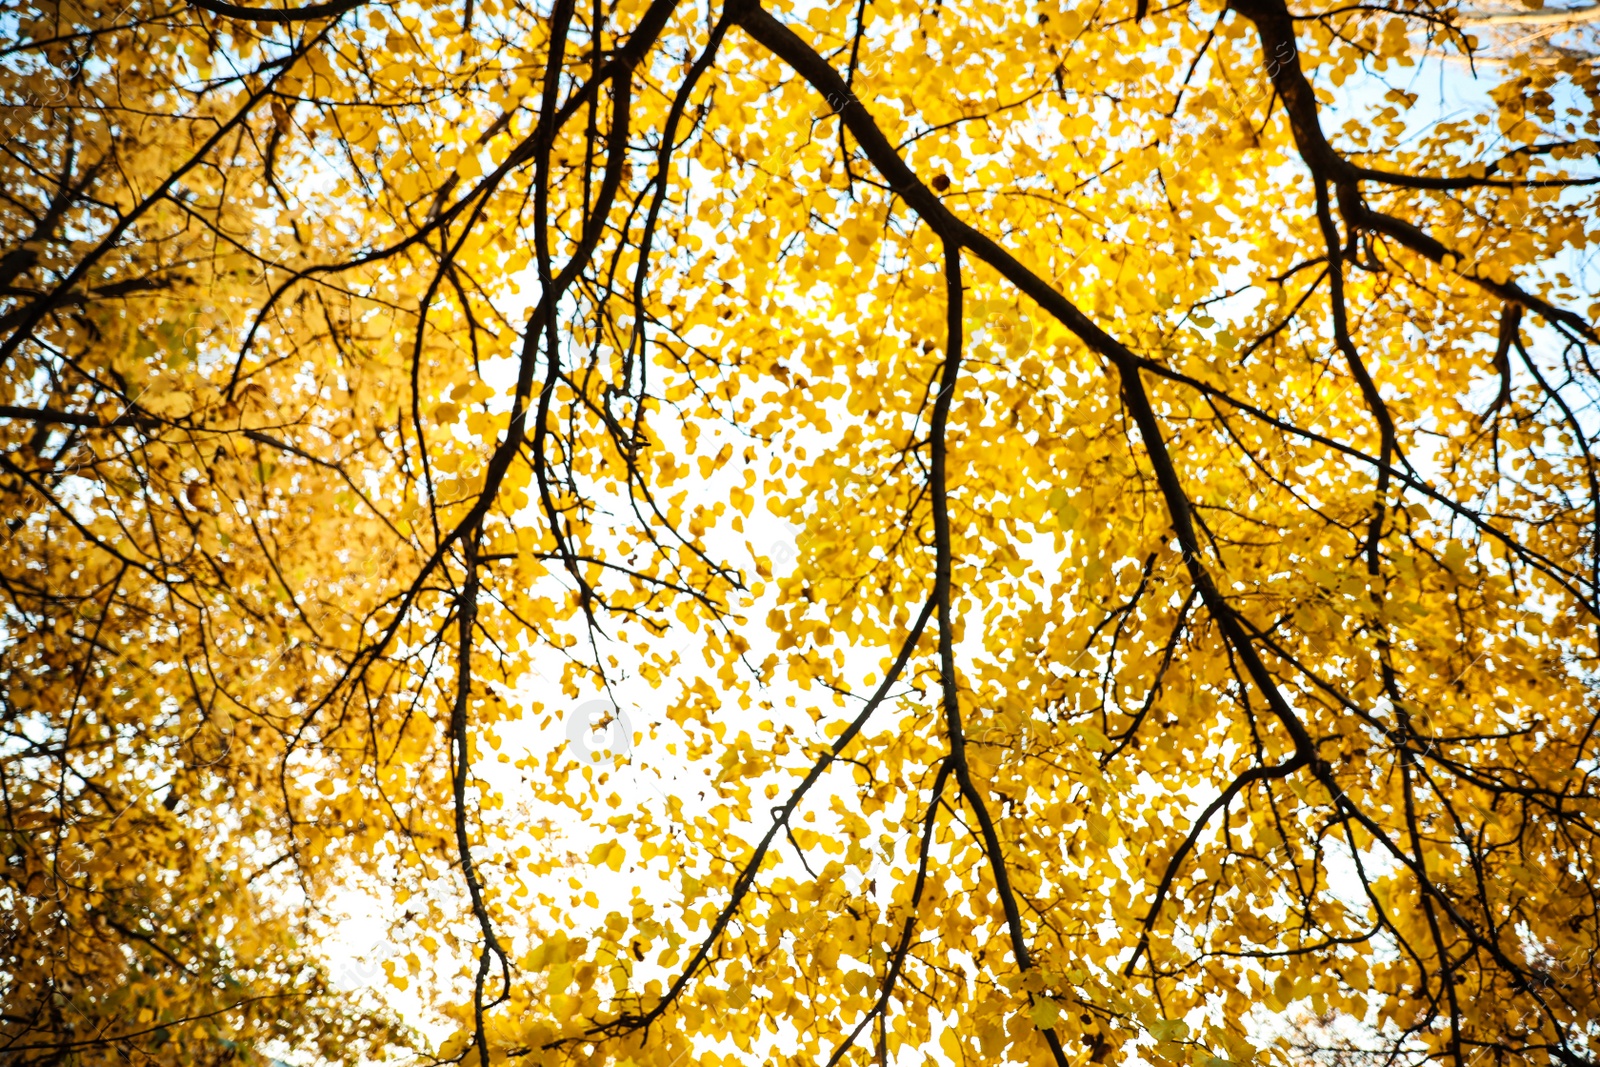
[{"x": 1196, "y": 608}]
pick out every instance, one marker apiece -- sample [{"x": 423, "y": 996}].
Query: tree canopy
[{"x": 1185, "y": 415}]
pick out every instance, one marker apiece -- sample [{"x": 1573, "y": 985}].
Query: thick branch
[
  {"x": 1275, "y": 25},
  {"x": 944, "y": 564},
  {"x": 783, "y": 43},
  {"x": 276, "y": 16},
  {"x": 461, "y": 769}
]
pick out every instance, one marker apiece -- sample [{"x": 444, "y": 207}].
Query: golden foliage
[{"x": 1194, "y": 620}]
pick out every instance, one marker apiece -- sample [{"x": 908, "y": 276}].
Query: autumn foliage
[{"x": 1088, "y": 511}]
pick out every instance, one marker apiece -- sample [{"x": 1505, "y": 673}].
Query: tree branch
[{"x": 275, "y": 16}]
